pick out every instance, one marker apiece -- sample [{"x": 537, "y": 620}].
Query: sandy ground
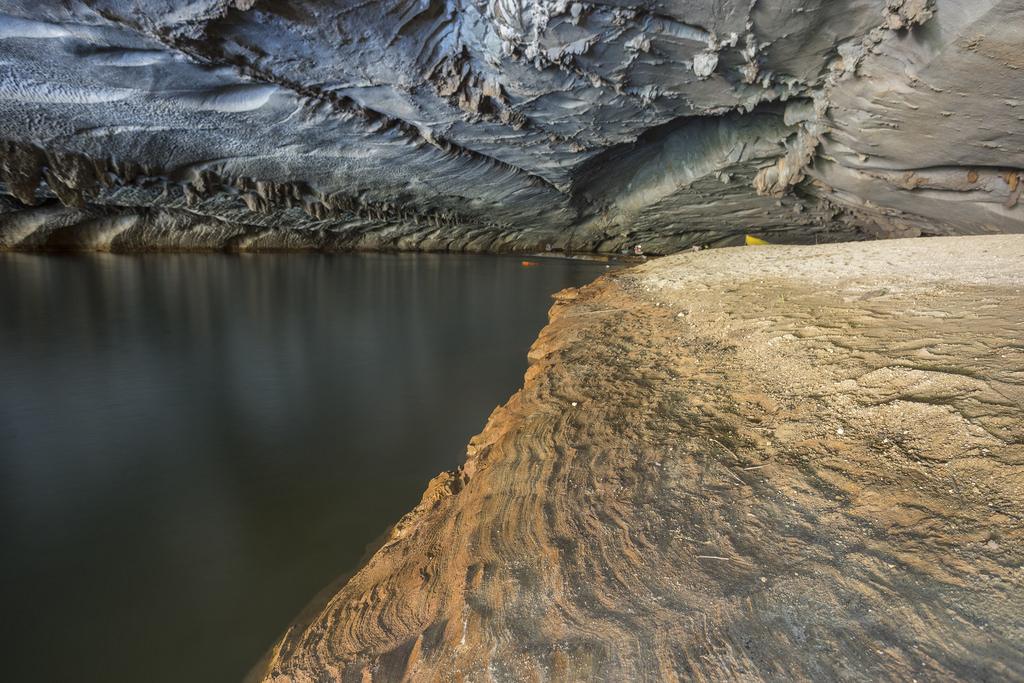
[{"x": 770, "y": 463}]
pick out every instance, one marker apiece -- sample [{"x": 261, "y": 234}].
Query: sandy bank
[{"x": 778, "y": 463}]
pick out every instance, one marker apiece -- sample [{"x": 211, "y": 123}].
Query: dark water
[{"x": 192, "y": 446}]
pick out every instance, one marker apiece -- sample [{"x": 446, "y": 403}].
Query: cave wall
[{"x": 506, "y": 125}]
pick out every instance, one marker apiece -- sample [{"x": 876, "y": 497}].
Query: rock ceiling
[{"x": 506, "y": 124}]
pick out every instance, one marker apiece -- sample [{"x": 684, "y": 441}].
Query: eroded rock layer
[
  {"x": 788, "y": 463},
  {"x": 495, "y": 125}
]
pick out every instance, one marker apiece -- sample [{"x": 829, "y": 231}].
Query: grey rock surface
[{"x": 506, "y": 125}]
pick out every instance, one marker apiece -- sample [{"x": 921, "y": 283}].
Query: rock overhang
[{"x": 506, "y": 124}]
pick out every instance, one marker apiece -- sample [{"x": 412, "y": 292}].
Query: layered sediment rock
[
  {"x": 506, "y": 124},
  {"x": 787, "y": 463}
]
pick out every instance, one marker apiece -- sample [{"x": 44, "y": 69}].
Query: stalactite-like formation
[{"x": 508, "y": 125}]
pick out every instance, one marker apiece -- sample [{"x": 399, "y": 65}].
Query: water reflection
[{"x": 191, "y": 446}]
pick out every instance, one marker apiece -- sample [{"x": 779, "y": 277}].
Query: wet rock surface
[
  {"x": 781, "y": 463},
  {"x": 505, "y": 125}
]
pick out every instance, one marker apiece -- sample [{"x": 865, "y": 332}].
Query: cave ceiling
[{"x": 506, "y": 125}]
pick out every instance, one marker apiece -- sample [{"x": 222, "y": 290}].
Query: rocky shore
[{"x": 769, "y": 463}]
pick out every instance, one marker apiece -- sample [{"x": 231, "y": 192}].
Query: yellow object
[{"x": 754, "y": 241}]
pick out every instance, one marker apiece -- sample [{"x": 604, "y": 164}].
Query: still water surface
[{"x": 192, "y": 446}]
